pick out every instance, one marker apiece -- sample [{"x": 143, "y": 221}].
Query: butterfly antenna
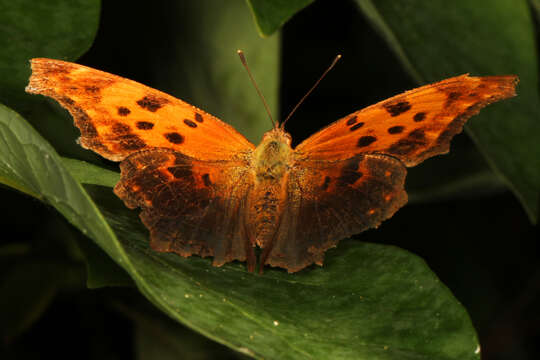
[
  {"x": 310, "y": 90},
  {"x": 244, "y": 62}
]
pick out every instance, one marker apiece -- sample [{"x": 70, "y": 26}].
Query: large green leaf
[
  {"x": 159, "y": 337},
  {"x": 56, "y": 29},
  {"x": 52, "y": 28},
  {"x": 368, "y": 301},
  {"x": 203, "y": 68},
  {"x": 484, "y": 37},
  {"x": 270, "y": 15}
]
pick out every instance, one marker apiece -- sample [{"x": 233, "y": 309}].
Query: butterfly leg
[
  {"x": 250, "y": 256},
  {"x": 250, "y": 250}
]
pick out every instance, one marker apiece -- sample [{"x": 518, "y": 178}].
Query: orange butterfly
[{"x": 204, "y": 189}]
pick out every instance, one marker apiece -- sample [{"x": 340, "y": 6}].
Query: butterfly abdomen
[{"x": 266, "y": 207}]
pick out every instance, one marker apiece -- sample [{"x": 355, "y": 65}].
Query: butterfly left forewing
[
  {"x": 118, "y": 116},
  {"x": 411, "y": 126}
]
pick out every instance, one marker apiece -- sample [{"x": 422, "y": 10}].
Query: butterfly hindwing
[
  {"x": 411, "y": 126},
  {"x": 331, "y": 200},
  {"x": 189, "y": 206},
  {"x": 118, "y": 116}
]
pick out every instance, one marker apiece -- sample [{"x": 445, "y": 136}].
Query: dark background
[{"x": 481, "y": 246}]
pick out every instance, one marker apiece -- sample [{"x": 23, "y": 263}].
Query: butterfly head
[{"x": 277, "y": 135}]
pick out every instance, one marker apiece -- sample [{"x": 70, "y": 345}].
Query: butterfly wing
[
  {"x": 330, "y": 200},
  {"x": 186, "y": 169},
  {"x": 412, "y": 126},
  {"x": 190, "y": 206},
  {"x": 118, "y": 116}
]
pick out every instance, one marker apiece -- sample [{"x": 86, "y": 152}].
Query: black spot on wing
[
  {"x": 397, "y": 108},
  {"x": 356, "y": 126},
  {"x": 123, "y": 111},
  {"x": 419, "y": 116},
  {"x": 396, "y": 129},
  {"x": 352, "y": 120},
  {"x": 144, "y": 125},
  {"x": 190, "y": 123},
  {"x": 152, "y": 103},
  {"x": 174, "y": 138},
  {"x": 366, "y": 140},
  {"x": 452, "y": 97}
]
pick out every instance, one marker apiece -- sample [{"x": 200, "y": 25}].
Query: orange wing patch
[
  {"x": 118, "y": 116},
  {"x": 412, "y": 126}
]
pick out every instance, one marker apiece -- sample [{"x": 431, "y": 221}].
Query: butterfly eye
[{"x": 288, "y": 138}]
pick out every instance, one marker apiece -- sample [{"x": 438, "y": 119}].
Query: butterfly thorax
[
  {"x": 272, "y": 156},
  {"x": 271, "y": 162}
]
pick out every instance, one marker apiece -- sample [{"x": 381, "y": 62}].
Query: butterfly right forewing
[{"x": 412, "y": 126}]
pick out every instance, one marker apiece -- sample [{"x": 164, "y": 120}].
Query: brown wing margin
[
  {"x": 329, "y": 201},
  {"x": 190, "y": 207}
]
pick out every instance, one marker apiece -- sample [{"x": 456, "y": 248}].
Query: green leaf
[
  {"x": 270, "y": 15},
  {"x": 203, "y": 67},
  {"x": 385, "y": 301},
  {"x": 55, "y": 29},
  {"x": 52, "y": 28},
  {"x": 30, "y": 164},
  {"x": 474, "y": 184},
  {"x": 101, "y": 270},
  {"x": 368, "y": 301},
  {"x": 157, "y": 336},
  {"x": 462, "y": 173},
  {"x": 90, "y": 174},
  {"x": 486, "y": 37},
  {"x": 26, "y": 163}
]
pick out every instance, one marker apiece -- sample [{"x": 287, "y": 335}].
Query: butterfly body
[{"x": 203, "y": 189}]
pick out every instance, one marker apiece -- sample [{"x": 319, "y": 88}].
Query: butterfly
[{"x": 204, "y": 189}]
